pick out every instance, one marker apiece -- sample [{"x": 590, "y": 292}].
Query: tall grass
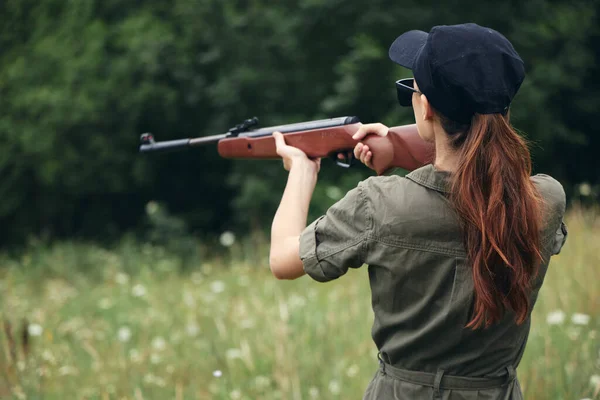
[{"x": 127, "y": 324}]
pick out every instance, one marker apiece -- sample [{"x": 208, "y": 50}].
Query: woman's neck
[{"x": 446, "y": 158}]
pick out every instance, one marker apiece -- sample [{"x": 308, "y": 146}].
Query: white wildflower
[
  {"x": 35, "y": 330},
  {"x": 585, "y": 189},
  {"x": 555, "y": 317},
  {"x": 227, "y": 239},
  {"x": 151, "y": 207},
  {"x": 122, "y": 278},
  {"x": 135, "y": 356},
  {"x": 235, "y": 394},
  {"x": 595, "y": 380},
  {"x": 153, "y": 379},
  {"x": 232, "y": 354},
  {"x": 196, "y": 278},
  {"x": 67, "y": 370},
  {"x": 155, "y": 359},
  {"x": 124, "y": 334},
  {"x": 217, "y": 373},
  {"x": 580, "y": 319},
  {"x": 296, "y": 301},
  {"x": 49, "y": 357},
  {"x": 334, "y": 192},
  {"x": 192, "y": 329},
  {"x": 352, "y": 371},
  {"x": 158, "y": 343},
  {"x": 334, "y": 387},
  {"x": 105, "y": 303},
  {"x": 217, "y": 286},
  {"x": 139, "y": 290},
  {"x": 313, "y": 392},
  {"x": 189, "y": 300},
  {"x": 262, "y": 382},
  {"x": 247, "y": 323}
]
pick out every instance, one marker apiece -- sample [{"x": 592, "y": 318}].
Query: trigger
[{"x": 346, "y": 159}]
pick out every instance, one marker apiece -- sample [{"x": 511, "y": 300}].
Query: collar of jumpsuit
[{"x": 431, "y": 178}]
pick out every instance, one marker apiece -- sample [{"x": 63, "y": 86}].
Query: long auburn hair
[{"x": 500, "y": 213}]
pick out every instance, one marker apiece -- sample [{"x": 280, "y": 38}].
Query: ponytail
[{"x": 499, "y": 210}]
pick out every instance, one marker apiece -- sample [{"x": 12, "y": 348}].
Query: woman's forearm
[
  {"x": 290, "y": 218},
  {"x": 290, "y": 221}
]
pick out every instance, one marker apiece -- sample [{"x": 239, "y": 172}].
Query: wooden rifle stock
[{"x": 402, "y": 147}]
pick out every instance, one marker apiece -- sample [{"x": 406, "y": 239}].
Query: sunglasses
[{"x": 405, "y": 88}]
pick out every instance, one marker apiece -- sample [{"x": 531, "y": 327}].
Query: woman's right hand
[{"x": 361, "y": 151}]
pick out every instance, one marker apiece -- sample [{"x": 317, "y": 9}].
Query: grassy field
[{"x": 126, "y": 324}]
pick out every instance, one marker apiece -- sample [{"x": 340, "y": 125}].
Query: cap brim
[{"x": 406, "y": 47}]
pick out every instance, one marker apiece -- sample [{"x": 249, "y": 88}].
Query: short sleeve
[{"x": 336, "y": 241}]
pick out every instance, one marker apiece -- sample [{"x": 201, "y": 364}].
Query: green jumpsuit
[{"x": 405, "y": 230}]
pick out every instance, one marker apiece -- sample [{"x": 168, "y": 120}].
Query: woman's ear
[{"x": 428, "y": 113}]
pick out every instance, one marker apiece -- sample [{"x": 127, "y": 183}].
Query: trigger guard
[{"x": 347, "y": 162}]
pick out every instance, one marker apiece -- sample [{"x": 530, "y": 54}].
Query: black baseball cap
[{"x": 462, "y": 69}]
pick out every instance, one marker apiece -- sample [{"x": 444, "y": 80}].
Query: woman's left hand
[
  {"x": 362, "y": 151},
  {"x": 292, "y": 155}
]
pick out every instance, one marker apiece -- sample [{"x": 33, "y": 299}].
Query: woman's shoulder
[
  {"x": 546, "y": 181},
  {"x": 399, "y": 193},
  {"x": 384, "y": 184},
  {"x": 422, "y": 182},
  {"x": 551, "y": 191}
]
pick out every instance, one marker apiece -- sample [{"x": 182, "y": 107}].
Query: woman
[{"x": 457, "y": 250}]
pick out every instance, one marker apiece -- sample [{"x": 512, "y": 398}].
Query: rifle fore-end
[{"x": 402, "y": 147}]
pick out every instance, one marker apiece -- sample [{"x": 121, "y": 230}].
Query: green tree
[{"x": 80, "y": 81}]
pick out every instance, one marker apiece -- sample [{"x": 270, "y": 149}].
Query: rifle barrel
[
  {"x": 164, "y": 146},
  {"x": 199, "y": 141},
  {"x": 149, "y": 145}
]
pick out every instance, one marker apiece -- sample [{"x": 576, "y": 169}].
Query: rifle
[{"x": 402, "y": 147}]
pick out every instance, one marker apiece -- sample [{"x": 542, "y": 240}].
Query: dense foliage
[{"x": 80, "y": 80}]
